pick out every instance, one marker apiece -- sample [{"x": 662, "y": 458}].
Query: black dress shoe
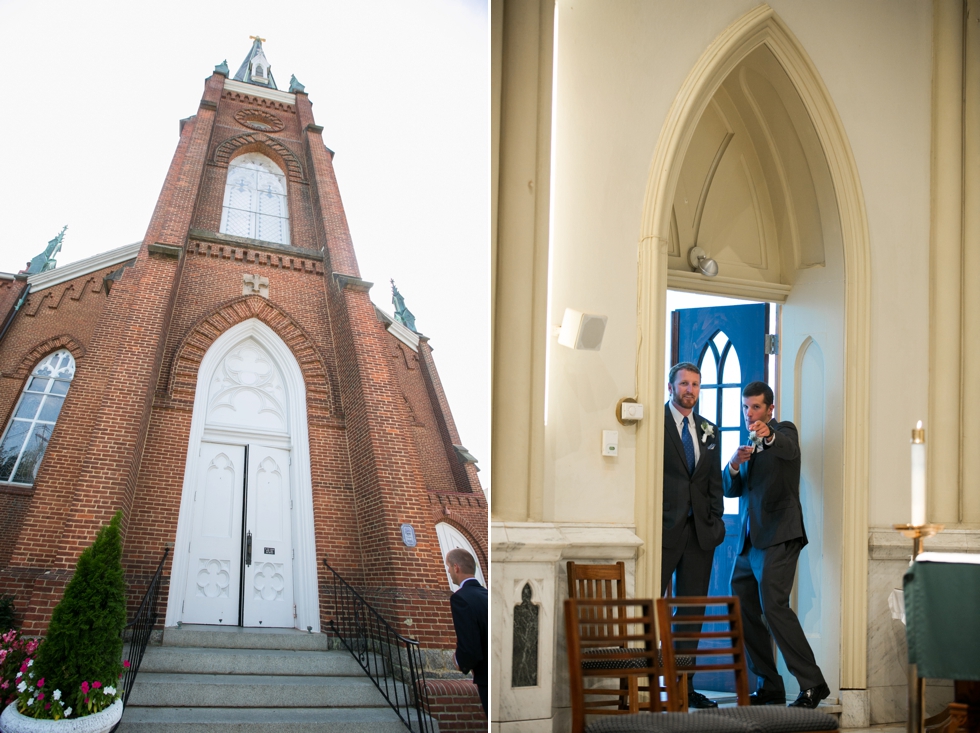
[
  {"x": 696, "y": 700},
  {"x": 811, "y": 698},
  {"x": 768, "y": 697}
]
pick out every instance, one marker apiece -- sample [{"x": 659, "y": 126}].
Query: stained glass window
[
  {"x": 255, "y": 200},
  {"x": 721, "y": 396},
  {"x": 29, "y": 430}
]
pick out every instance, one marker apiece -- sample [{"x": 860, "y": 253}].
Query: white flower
[
  {"x": 56, "y": 694},
  {"x": 67, "y": 712},
  {"x": 30, "y": 701},
  {"x": 30, "y": 662},
  {"x": 21, "y": 687},
  {"x": 707, "y": 431},
  {"x": 110, "y": 690}
]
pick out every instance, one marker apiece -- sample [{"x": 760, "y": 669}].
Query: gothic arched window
[
  {"x": 255, "y": 200},
  {"x": 29, "y": 430},
  {"x": 451, "y": 538}
]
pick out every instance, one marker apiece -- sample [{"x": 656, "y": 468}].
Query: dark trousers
[
  {"x": 693, "y": 567},
  {"x": 762, "y": 580},
  {"x": 482, "y": 689}
]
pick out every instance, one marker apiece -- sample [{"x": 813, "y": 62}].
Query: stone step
[
  {"x": 163, "y": 689},
  {"x": 195, "y": 660},
  {"x": 261, "y": 720},
  {"x": 236, "y": 637}
]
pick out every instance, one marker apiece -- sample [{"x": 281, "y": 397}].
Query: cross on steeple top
[{"x": 256, "y": 38}]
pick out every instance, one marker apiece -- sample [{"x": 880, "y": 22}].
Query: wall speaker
[{"x": 581, "y": 330}]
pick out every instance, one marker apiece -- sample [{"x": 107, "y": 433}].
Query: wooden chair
[
  {"x": 726, "y": 651},
  {"x": 609, "y": 581},
  {"x": 596, "y": 581},
  {"x": 611, "y": 638}
]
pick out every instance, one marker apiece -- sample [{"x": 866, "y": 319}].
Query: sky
[{"x": 96, "y": 90}]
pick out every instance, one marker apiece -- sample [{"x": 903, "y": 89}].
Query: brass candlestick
[
  {"x": 918, "y": 533},
  {"x": 916, "y": 722}
]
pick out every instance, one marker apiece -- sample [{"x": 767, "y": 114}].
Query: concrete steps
[{"x": 205, "y": 679}]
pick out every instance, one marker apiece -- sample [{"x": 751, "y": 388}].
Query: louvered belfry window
[
  {"x": 29, "y": 430},
  {"x": 255, "y": 200}
]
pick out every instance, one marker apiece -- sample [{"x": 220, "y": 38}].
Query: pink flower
[
  {"x": 41, "y": 683},
  {"x": 126, "y": 664},
  {"x": 47, "y": 706},
  {"x": 40, "y": 696},
  {"x": 85, "y": 687},
  {"x": 96, "y": 685}
]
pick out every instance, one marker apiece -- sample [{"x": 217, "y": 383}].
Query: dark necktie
[{"x": 688, "y": 447}]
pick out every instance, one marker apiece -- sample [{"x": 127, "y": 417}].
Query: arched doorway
[
  {"x": 755, "y": 97},
  {"x": 245, "y": 552}
]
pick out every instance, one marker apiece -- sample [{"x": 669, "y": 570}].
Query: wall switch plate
[{"x": 610, "y": 442}]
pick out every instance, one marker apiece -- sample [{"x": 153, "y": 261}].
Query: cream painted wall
[{"x": 619, "y": 68}]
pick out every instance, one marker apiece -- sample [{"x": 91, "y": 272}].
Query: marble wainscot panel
[
  {"x": 888, "y": 559},
  {"x": 528, "y": 569}
]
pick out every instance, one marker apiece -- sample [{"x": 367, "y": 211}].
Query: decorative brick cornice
[
  {"x": 32, "y": 357},
  {"x": 259, "y": 142},
  {"x": 247, "y": 243},
  {"x": 193, "y": 347}
]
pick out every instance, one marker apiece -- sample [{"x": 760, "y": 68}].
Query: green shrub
[
  {"x": 8, "y": 619},
  {"x": 84, "y": 639}
]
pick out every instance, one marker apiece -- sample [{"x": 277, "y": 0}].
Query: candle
[{"x": 918, "y": 475}]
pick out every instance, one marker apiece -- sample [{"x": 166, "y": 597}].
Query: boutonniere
[{"x": 707, "y": 431}]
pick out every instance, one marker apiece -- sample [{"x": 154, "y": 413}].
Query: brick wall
[{"x": 456, "y": 705}]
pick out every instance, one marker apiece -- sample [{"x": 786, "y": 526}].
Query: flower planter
[{"x": 13, "y": 722}]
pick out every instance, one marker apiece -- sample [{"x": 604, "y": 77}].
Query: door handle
[{"x": 248, "y": 549}]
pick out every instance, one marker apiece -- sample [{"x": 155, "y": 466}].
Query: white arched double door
[
  {"x": 240, "y": 547},
  {"x": 244, "y": 552}
]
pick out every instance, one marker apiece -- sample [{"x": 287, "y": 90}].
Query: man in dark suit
[
  {"x": 469, "y": 606},
  {"x": 693, "y": 503},
  {"x": 766, "y": 477}
]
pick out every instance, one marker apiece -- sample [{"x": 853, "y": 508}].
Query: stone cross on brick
[{"x": 254, "y": 284}]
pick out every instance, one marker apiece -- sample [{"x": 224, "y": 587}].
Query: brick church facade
[{"x": 229, "y": 380}]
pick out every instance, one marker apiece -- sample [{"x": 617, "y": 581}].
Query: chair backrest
[
  {"x": 612, "y": 641},
  {"x": 596, "y": 581},
  {"x": 717, "y": 649}
]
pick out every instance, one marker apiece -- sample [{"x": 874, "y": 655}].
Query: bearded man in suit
[
  {"x": 766, "y": 477},
  {"x": 693, "y": 505}
]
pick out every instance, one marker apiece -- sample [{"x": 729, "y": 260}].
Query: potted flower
[
  {"x": 70, "y": 682},
  {"x": 14, "y": 651}
]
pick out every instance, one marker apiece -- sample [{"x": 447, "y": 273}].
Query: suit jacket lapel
[{"x": 670, "y": 429}]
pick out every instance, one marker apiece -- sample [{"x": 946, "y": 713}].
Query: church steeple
[
  {"x": 255, "y": 68},
  {"x": 402, "y": 314}
]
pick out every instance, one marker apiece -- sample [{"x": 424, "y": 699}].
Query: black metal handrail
[
  {"x": 140, "y": 628},
  {"x": 391, "y": 661}
]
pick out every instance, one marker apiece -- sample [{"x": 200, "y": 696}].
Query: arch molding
[{"x": 757, "y": 27}]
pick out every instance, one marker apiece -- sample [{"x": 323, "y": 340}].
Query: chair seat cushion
[
  {"x": 668, "y": 723},
  {"x": 761, "y": 719},
  {"x": 638, "y": 661},
  {"x": 778, "y": 719}
]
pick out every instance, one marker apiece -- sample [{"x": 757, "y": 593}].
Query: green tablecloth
[{"x": 942, "y": 614}]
